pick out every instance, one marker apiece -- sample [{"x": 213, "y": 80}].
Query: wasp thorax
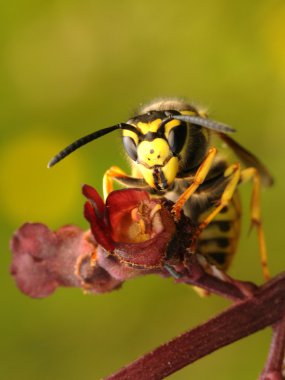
[{"x": 152, "y": 153}]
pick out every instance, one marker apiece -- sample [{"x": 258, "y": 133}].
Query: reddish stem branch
[
  {"x": 265, "y": 308},
  {"x": 273, "y": 367},
  {"x": 194, "y": 274},
  {"x": 234, "y": 290}
]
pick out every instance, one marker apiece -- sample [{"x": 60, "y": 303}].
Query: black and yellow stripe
[{"x": 218, "y": 242}]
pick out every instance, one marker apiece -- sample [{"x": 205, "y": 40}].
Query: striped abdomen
[{"x": 218, "y": 242}]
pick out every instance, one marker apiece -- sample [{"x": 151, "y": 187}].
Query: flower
[
  {"x": 131, "y": 234},
  {"x": 44, "y": 260},
  {"x": 134, "y": 227}
]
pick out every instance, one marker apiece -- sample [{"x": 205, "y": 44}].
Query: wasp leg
[
  {"x": 109, "y": 176},
  {"x": 253, "y": 175},
  {"x": 199, "y": 178},
  {"x": 234, "y": 172},
  {"x": 118, "y": 175}
]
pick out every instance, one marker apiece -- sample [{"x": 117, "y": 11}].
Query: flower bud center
[{"x": 139, "y": 224}]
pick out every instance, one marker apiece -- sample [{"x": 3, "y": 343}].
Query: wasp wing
[{"x": 248, "y": 159}]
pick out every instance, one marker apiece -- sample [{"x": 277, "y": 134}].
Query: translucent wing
[{"x": 248, "y": 159}]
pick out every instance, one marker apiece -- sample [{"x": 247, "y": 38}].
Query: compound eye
[
  {"x": 176, "y": 138},
  {"x": 130, "y": 147}
]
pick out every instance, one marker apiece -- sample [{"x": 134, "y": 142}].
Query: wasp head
[{"x": 155, "y": 147}]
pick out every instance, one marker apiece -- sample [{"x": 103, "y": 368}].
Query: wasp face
[
  {"x": 155, "y": 149},
  {"x": 157, "y": 163}
]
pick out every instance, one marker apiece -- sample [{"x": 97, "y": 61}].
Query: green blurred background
[{"x": 68, "y": 68}]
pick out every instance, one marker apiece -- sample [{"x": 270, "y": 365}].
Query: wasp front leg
[
  {"x": 199, "y": 178},
  {"x": 118, "y": 175},
  {"x": 109, "y": 177}
]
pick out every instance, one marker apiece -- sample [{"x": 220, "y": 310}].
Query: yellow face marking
[
  {"x": 170, "y": 170},
  {"x": 171, "y": 124},
  {"x": 131, "y": 134},
  {"x": 153, "y": 152},
  {"x": 149, "y": 127},
  {"x": 147, "y": 175}
]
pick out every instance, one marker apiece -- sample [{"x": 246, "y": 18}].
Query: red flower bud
[{"x": 134, "y": 227}]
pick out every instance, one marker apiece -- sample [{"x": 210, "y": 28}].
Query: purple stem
[
  {"x": 273, "y": 367},
  {"x": 195, "y": 274},
  {"x": 235, "y": 291},
  {"x": 244, "y": 318}
]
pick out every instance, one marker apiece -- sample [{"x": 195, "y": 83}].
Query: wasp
[{"x": 169, "y": 145}]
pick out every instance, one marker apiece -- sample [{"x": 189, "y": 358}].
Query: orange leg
[
  {"x": 252, "y": 174},
  {"x": 109, "y": 176},
  {"x": 118, "y": 175},
  {"x": 235, "y": 172},
  {"x": 199, "y": 178}
]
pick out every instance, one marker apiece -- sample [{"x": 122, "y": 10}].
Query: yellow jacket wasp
[{"x": 169, "y": 146}]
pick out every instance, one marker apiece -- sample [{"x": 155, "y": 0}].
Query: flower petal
[
  {"x": 43, "y": 260},
  {"x": 98, "y": 228},
  {"x": 32, "y": 246},
  {"x": 124, "y": 200},
  {"x": 96, "y": 279},
  {"x": 93, "y": 196}
]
